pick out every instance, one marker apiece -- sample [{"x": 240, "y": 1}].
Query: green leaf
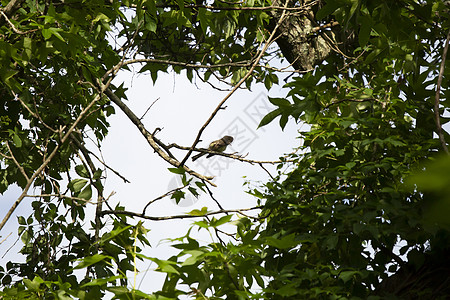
[
  {"x": 197, "y": 212},
  {"x": 56, "y": 32},
  {"x": 195, "y": 257},
  {"x": 150, "y": 24},
  {"x": 101, "y": 281},
  {"x": 280, "y": 102},
  {"x": 82, "y": 171},
  {"x": 285, "y": 242},
  {"x": 345, "y": 276},
  {"x": 46, "y": 33},
  {"x": 77, "y": 184},
  {"x": 365, "y": 30},
  {"x": 166, "y": 266},
  {"x": 21, "y": 220},
  {"x": 177, "y": 170},
  {"x": 221, "y": 221},
  {"x": 326, "y": 10},
  {"x": 201, "y": 185},
  {"x": 354, "y": 7},
  {"x": 112, "y": 234},
  {"x": 97, "y": 174},
  {"x": 178, "y": 195},
  {"x": 203, "y": 16},
  {"x": 16, "y": 138},
  {"x": 287, "y": 290},
  {"x": 269, "y": 117},
  {"x": 283, "y": 120},
  {"x": 86, "y": 193},
  {"x": 33, "y": 285},
  {"x": 90, "y": 260}
]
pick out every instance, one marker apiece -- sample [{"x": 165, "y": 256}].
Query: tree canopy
[{"x": 361, "y": 214}]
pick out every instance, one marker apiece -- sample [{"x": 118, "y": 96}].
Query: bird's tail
[{"x": 195, "y": 157}]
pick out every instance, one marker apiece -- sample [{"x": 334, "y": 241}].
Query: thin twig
[
  {"x": 34, "y": 114},
  {"x": 22, "y": 170},
  {"x": 324, "y": 26},
  {"x": 162, "y": 196},
  {"x": 212, "y": 197},
  {"x": 5, "y": 238},
  {"x": 267, "y": 171},
  {"x": 12, "y": 246},
  {"x": 438, "y": 91},
  {"x": 148, "y": 108}
]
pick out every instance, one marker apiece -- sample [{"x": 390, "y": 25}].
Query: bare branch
[
  {"x": 22, "y": 170},
  {"x": 5, "y": 238},
  {"x": 12, "y": 6},
  {"x": 267, "y": 171},
  {"x": 324, "y": 26},
  {"x": 149, "y": 109},
  {"x": 214, "y": 199},
  {"x": 14, "y": 27},
  {"x": 438, "y": 91},
  {"x": 162, "y": 196},
  {"x": 231, "y": 155},
  {"x": 140, "y": 215},
  {"x": 156, "y": 144}
]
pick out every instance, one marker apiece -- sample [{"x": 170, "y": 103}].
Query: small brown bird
[{"x": 219, "y": 146}]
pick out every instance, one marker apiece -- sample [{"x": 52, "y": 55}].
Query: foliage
[
  {"x": 372, "y": 126},
  {"x": 333, "y": 225},
  {"x": 327, "y": 229}
]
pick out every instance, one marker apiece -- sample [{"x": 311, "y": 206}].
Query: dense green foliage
[{"x": 328, "y": 229}]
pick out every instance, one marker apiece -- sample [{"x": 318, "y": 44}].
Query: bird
[{"x": 218, "y": 146}]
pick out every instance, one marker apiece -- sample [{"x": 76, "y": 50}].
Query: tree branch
[
  {"x": 21, "y": 169},
  {"x": 230, "y": 155},
  {"x": 10, "y": 8},
  {"x": 438, "y": 91},
  {"x": 162, "y": 196},
  {"x": 140, "y": 215},
  {"x": 14, "y": 27},
  {"x": 156, "y": 144},
  {"x": 214, "y": 199}
]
